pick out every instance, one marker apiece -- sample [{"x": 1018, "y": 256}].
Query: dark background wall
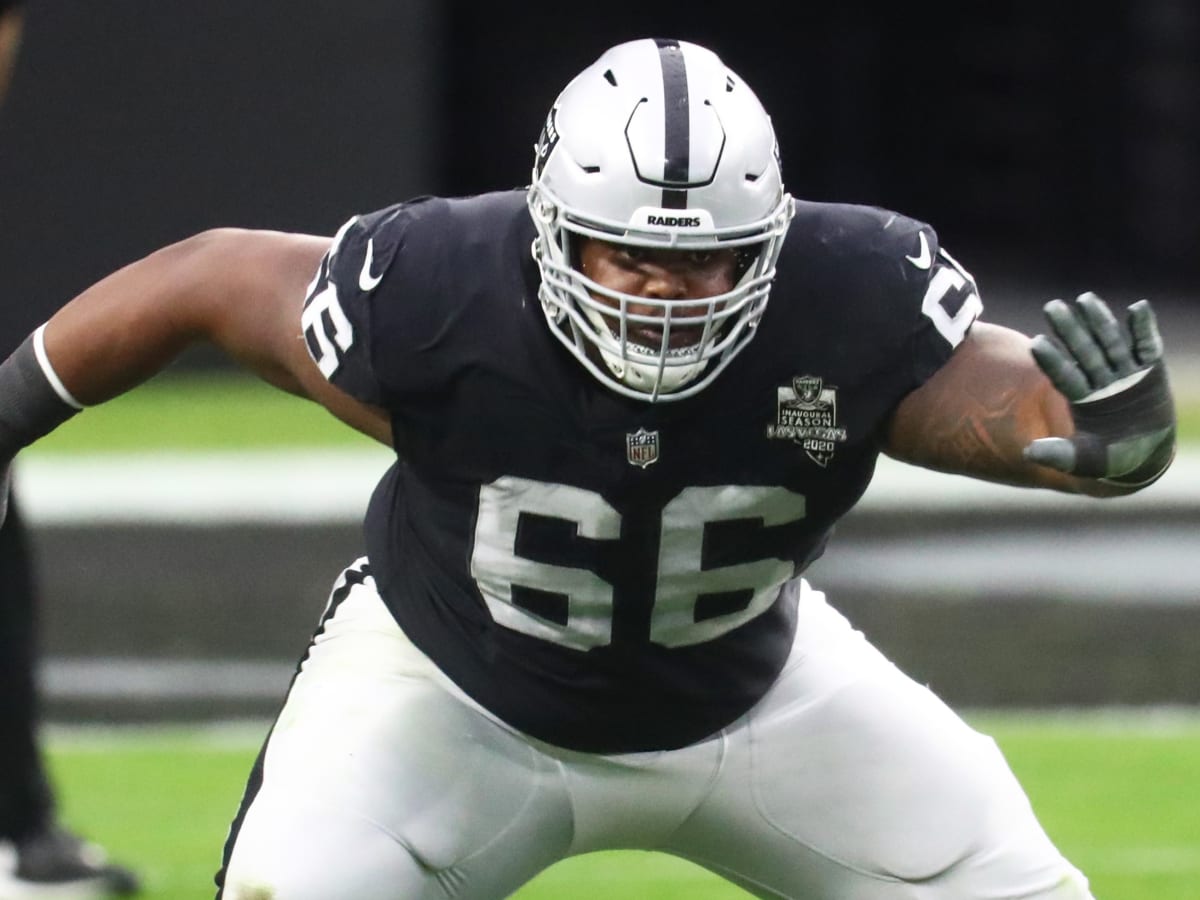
[
  {"x": 133, "y": 123},
  {"x": 1047, "y": 148},
  {"x": 1044, "y": 143}
]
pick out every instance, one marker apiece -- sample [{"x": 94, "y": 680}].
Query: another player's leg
[
  {"x": 37, "y": 855},
  {"x": 850, "y": 781},
  {"x": 377, "y": 783}
]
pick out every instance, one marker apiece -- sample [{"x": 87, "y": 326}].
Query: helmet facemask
[{"x": 595, "y": 177}]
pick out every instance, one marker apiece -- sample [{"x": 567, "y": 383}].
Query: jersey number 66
[{"x": 681, "y": 578}]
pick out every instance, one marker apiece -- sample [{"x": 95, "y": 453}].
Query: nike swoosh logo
[
  {"x": 367, "y": 281},
  {"x": 923, "y": 259}
]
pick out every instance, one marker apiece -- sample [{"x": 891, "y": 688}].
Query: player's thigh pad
[
  {"x": 377, "y": 783},
  {"x": 850, "y": 780}
]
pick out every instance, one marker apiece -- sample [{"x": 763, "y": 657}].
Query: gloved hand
[{"x": 1117, "y": 386}]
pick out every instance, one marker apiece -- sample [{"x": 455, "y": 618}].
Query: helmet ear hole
[
  {"x": 744, "y": 258},
  {"x": 573, "y": 250}
]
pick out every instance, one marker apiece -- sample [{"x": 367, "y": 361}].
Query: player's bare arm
[
  {"x": 239, "y": 290},
  {"x": 1088, "y": 411},
  {"x": 977, "y": 414}
]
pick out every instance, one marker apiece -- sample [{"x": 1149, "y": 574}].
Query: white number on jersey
[
  {"x": 327, "y": 331},
  {"x": 496, "y": 567},
  {"x": 681, "y": 579},
  {"x": 321, "y": 315},
  {"x": 951, "y": 288}
]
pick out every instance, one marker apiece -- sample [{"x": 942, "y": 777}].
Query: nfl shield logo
[{"x": 641, "y": 447}]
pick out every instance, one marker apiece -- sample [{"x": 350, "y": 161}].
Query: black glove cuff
[
  {"x": 30, "y": 404},
  {"x": 1143, "y": 409},
  {"x": 1147, "y": 406}
]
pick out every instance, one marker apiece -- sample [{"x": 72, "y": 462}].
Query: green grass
[
  {"x": 1122, "y": 802},
  {"x": 1121, "y": 799},
  {"x": 200, "y": 412},
  {"x": 223, "y": 411}
]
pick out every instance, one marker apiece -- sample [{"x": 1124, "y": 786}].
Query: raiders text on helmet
[{"x": 657, "y": 144}]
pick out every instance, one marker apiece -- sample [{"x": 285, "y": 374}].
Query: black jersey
[{"x": 600, "y": 572}]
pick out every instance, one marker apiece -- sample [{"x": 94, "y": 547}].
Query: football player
[
  {"x": 38, "y": 856},
  {"x": 628, "y": 406}
]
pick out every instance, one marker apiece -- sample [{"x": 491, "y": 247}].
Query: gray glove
[{"x": 1117, "y": 386}]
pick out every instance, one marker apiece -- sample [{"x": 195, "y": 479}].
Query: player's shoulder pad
[
  {"x": 890, "y": 267},
  {"x": 882, "y": 243},
  {"x": 862, "y": 251},
  {"x": 337, "y": 316},
  {"x": 365, "y": 247}
]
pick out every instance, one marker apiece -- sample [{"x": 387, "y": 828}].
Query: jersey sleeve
[
  {"x": 950, "y": 304},
  {"x": 338, "y": 314}
]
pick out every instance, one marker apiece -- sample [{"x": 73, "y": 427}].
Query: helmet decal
[
  {"x": 545, "y": 143},
  {"x": 677, "y": 139}
]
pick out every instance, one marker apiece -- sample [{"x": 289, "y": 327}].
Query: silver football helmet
[{"x": 657, "y": 144}]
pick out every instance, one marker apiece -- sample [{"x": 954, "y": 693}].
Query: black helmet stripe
[{"x": 676, "y": 116}]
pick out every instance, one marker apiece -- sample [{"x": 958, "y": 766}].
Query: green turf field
[
  {"x": 200, "y": 412},
  {"x": 1119, "y": 792},
  {"x": 222, "y": 411}
]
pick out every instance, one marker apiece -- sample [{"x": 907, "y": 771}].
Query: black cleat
[{"x": 55, "y": 864}]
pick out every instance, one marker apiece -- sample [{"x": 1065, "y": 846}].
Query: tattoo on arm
[
  {"x": 984, "y": 439},
  {"x": 976, "y": 415}
]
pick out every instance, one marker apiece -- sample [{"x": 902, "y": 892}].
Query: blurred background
[
  {"x": 1049, "y": 147},
  {"x": 1054, "y": 150}
]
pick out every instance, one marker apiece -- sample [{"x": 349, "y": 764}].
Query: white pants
[{"x": 848, "y": 781}]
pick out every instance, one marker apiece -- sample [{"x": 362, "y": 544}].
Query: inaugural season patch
[{"x": 806, "y": 413}]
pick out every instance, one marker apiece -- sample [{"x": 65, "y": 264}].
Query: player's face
[{"x": 659, "y": 275}]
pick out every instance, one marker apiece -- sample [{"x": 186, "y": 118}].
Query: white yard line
[
  {"x": 1168, "y": 721},
  {"x": 1146, "y": 861},
  {"x": 192, "y": 488},
  {"x": 103, "y": 678},
  {"x": 309, "y": 486}
]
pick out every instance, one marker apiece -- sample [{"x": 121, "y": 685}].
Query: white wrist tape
[{"x": 39, "y": 349}]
